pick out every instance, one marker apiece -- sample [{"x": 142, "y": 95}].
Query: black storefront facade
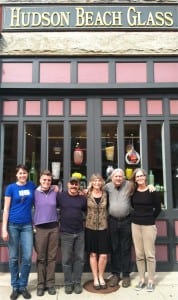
[{"x": 93, "y": 80}]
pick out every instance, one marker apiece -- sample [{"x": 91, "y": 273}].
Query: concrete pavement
[{"x": 166, "y": 289}]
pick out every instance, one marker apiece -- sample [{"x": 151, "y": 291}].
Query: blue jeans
[
  {"x": 72, "y": 250},
  {"x": 20, "y": 253},
  {"x": 121, "y": 242}
]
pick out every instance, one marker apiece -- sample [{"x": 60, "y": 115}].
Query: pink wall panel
[
  {"x": 17, "y": 72},
  {"x": 77, "y": 108},
  {"x": 93, "y": 73},
  {"x": 55, "y": 108},
  {"x": 132, "y": 107},
  {"x": 10, "y": 108},
  {"x": 162, "y": 228},
  {"x": 55, "y": 73},
  {"x": 4, "y": 255},
  {"x": 176, "y": 252},
  {"x": 174, "y": 107},
  {"x": 154, "y": 107},
  {"x": 32, "y": 108},
  {"x": 162, "y": 253},
  {"x": 131, "y": 72},
  {"x": 176, "y": 228},
  {"x": 109, "y": 108},
  {"x": 166, "y": 72}
]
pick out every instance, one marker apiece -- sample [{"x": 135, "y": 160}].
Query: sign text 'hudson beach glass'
[{"x": 93, "y": 17}]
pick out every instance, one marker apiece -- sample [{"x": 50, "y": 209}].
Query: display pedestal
[{"x": 89, "y": 287}]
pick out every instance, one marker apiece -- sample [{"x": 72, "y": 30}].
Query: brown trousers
[{"x": 46, "y": 244}]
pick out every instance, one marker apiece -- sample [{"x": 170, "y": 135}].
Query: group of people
[{"x": 116, "y": 213}]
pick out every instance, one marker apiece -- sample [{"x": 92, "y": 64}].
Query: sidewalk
[{"x": 166, "y": 289}]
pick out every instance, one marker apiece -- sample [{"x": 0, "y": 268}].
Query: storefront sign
[{"x": 93, "y": 17}]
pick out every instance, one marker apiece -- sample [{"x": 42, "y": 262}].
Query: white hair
[{"x": 116, "y": 171}]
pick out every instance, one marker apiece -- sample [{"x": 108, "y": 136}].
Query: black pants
[{"x": 121, "y": 242}]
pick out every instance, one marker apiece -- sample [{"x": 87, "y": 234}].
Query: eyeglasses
[{"x": 140, "y": 176}]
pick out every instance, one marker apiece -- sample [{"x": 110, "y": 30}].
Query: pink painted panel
[
  {"x": 32, "y": 108},
  {"x": 109, "y": 108},
  {"x": 176, "y": 228},
  {"x": 17, "y": 72},
  {"x": 174, "y": 107},
  {"x": 162, "y": 228},
  {"x": 154, "y": 107},
  {"x": 132, "y": 107},
  {"x": 166, "y": 72},
  {"x": 10, "y": 108},
  {"x": 93, "y": 73},
  {"x": 4, "y": 254},
  {"x": 131, "y": 72},
  {"x": 55, "y": 72},
  {"x": 176, "y": 252},
  {"x": 55, "y": 108},
  {"x": 162, "y": 253},
  {"x": 78, "y": 108}
]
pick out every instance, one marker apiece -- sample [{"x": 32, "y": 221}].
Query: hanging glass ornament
[
  {"x": 132, "y": 157},
  {"x": 78, "y": 155}
]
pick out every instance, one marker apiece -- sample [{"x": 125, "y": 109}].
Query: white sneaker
[
  {"x": 140, "y": 286},
  {"x": 150, "y": 287}
]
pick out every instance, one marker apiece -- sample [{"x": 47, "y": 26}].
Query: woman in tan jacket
[{"x": 96, "y": 233}]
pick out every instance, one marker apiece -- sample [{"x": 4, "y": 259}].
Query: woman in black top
[{"x": 146, "y": 207}]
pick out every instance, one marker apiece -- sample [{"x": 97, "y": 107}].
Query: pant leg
[
  {"x": 137, "y": 237},
  {"x": 53, "y": 243},
  {"x": 115, "y": 256},
  {"x": 67, "y": 242},
  {"x": 78, "y": 261},
  {"x": 149, "y": 238},
  {"x": 26, "y": 243},
  {"x": 125, "y": 244},
  {"x": 14, "y": 253},
  {"x": 41, "y": 242}
]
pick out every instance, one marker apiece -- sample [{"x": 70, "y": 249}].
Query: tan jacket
[{"x": 97, "y": 214}]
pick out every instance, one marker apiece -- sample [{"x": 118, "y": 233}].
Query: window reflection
[
  {"x": 10, "y": 155},
  {"x": 79, "y": 153},
  {"x": 33, "y": 149},
  {"x": 132, "y": 148},
  {"x": 55, "y": 152},
  {"x": 174, "y": 162},
  {"x": 109, "y": 148},
  {"x": 155, "y": 161}
]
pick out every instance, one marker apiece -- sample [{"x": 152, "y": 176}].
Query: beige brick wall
[{"x": 92, "y": 43}]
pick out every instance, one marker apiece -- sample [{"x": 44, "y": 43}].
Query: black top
[{"x": 146, "y": 207}]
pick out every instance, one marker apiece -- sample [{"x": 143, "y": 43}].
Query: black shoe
[
  {"x": 68, "y": 289},
  {"x": 15, "y": 294},
  {"x": 78, "y": 288},
  {"x": 25, "y": 293},
  {"x": 114, "y": 280},
  {"x": 96, "y": 286},
  {"x": 51, "y": 290},
  {"x": 40, "y": 292}
]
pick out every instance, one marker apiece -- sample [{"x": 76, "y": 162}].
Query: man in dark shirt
[{"x": 72, "y": 206}]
